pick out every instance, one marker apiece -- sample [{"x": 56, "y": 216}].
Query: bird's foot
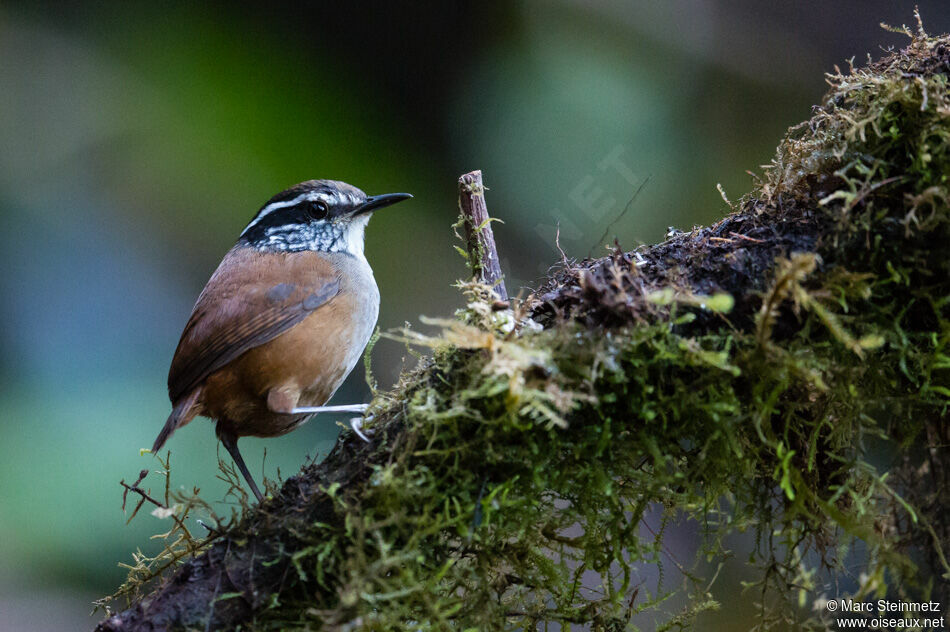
[
  {"x": 346, "y": 408},
  {"x": 356, "y": 424}
]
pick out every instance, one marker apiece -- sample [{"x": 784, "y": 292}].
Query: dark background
[{"x": 137, "y": 141}]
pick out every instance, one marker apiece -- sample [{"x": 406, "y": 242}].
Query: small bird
[{"x": 283, "y": 319}]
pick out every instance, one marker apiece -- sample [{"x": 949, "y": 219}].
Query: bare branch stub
[{"x": 480, "y": 240}]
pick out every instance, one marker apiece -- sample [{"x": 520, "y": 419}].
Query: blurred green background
[{"x": 137, "y": 140}]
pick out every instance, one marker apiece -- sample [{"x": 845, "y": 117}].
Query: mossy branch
[
  {"x": 480, "y": 239},
  {"x": 738, "y": 376}
]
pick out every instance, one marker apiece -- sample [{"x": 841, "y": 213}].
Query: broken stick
[{"x": 482, "y": 254}]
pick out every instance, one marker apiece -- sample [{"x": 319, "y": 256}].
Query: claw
[{"x": 356, "y": 423}]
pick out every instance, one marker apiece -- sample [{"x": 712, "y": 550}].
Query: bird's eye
[{"x": 318, "y": 209}]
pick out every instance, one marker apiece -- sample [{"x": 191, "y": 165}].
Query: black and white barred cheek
[
  {"x": 313, "y": 215},
  {"x": 294, "y": 206}
]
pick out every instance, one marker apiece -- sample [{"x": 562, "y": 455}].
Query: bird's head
[{"x": 322, "y": 215}]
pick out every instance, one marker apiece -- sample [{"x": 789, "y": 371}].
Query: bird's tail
[{"x": 182, "y": 413}]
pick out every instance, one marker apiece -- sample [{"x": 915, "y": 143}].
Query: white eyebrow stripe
[{"x": 273, "y": 206}]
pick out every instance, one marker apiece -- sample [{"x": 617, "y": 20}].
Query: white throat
[{"x": 354, "y": 235}]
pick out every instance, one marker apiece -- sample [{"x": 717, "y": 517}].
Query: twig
[
  {"x": 134, "y": 487},
  {"x": 626, "y": 208},
  {"x": 128, "y": 488},
  {"x": 145, "y": 497},
  {"x": 211, "y": 530},
  {"x": 747, "y": 238},
  {"x": 482, "y": 254},
  {"x": 141, "y": 492},
  {"x": 125, "y": 494},
  {"x": 557, "y": 242}
]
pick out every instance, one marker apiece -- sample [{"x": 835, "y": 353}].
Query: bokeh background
[{"x": 136, "y": 140}]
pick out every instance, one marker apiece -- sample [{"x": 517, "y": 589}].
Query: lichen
[{"x": 513, "y": 473}]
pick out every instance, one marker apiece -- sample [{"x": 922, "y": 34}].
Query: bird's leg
[
  {"x": 346, "y": 408},
  {"x": 230, "y": 442},
  {"x": 356, "y": 423},
  {"x": 284, "y": 400}
]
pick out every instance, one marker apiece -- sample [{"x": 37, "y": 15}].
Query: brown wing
[{"x": 250, "y": 299}]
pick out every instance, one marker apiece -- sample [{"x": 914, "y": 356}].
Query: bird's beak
[{"x": 376, "y": 202}]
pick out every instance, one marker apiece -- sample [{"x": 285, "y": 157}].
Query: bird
[{"x": 282, "y": 321}]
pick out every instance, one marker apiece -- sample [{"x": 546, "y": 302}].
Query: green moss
[
  {"x": 528, "y": 460},
  {"x": 513, "y": 473}
]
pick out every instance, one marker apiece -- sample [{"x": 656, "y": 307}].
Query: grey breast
[{"x": 357, "y": 280}]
